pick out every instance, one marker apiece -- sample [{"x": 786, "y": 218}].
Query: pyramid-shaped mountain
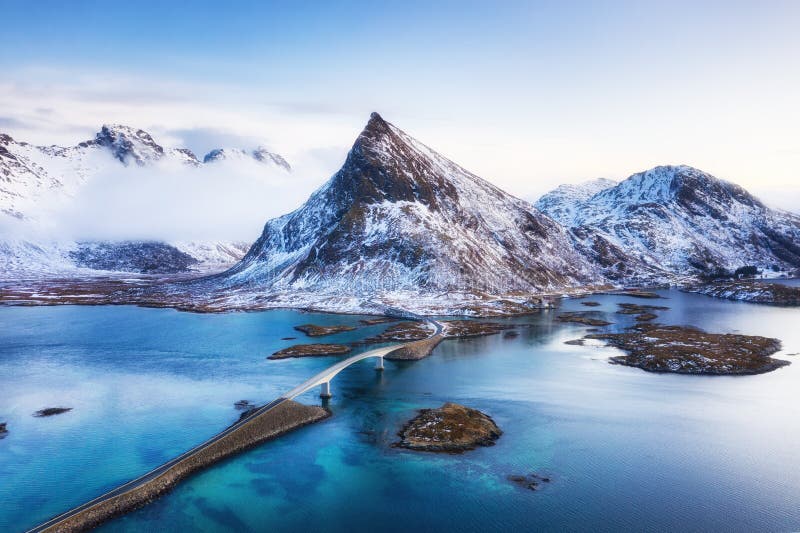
[{"x": 400, "y": 217}]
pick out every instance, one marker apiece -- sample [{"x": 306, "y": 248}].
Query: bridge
[{"x": 322, "y": 379}]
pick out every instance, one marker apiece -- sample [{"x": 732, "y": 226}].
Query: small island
[
  {"x": 310, "y": 350},
  {"x": 452, "y": 428},
  {"x": 473, "y": 328},
  {"x": 582, "y": 317},
  {"x": 644, "y": 313},
  {"x": 688, "y": 350},
  {"x": 3, "y": 430},
  {"x": 51, "y": 411},
  {"x": 313, "y": 330},
  {"x": 403, "y": 331}
]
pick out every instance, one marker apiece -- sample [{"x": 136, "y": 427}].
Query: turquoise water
[{"x": 625, "y": 449}]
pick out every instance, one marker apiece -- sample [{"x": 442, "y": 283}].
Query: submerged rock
[
  {"x": 451, "y": 428},
  {"x": 688, "y": 350},
  {"x": 530, "y": 481},
  {"x": 50, "y": 411},
  {"x": 313, "y": 330},
  {"x": 243, "y": 405},
  {"x": 591, "y": 304},
  {"x": 310, "y": 350}
]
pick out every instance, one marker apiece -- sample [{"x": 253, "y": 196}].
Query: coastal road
[{"x": 323, "y": 377}]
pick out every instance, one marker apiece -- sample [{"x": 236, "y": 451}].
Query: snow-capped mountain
[
  {"x": 677, "y": 220},
  {"x": 260, "y": 154},
  {"x": 560, "y": 203},
  {"x": 400, "y": 217},
  {"x": 30, "y": 175}
]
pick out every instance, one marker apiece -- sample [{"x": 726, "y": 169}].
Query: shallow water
[{"x": 625, "y": 449}]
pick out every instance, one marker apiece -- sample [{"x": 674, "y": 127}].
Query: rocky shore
[
  {"x": 688, "y": 350},
  {"x": 284, "y": 418},
  {"x": 311, "y": 350},
  {"x": 452, "y": 428},
  {"x": 751, "y": 291}
]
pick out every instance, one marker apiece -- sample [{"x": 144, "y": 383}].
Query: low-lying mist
[{"x": 226, "y": 200}]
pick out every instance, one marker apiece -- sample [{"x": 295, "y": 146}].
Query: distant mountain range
[
  {"x": 30, "y": 173},
  {"x": 674, "y": 222},
  {"x": 399, "y": 224}
]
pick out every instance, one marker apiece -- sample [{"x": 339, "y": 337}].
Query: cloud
[{"x": 226, "y": 200}]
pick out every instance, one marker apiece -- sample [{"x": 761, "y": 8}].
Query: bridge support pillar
[
  {"x": 325, "y": 390},
  {"x": 379, "y": 363}
]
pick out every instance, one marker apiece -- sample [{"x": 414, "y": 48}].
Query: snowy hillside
[
  {"x": 561, "y": 203},
  {"x": 673, "y": 221}
]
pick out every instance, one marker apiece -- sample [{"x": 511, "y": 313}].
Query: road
[{"x": 323, "y": 377}]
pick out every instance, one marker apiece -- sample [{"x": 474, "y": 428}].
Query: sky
[{"x": 525, "y": 94}]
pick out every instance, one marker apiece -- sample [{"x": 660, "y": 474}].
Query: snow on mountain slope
[
  {"x": 677, "y": 221},
  {"x": 260, "y": 154},
  {"x": 398, "y": 217},
  {"x": 561, "y": 203}
]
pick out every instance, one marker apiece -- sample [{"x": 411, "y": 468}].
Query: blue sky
[{"x": 526, "y": 94}]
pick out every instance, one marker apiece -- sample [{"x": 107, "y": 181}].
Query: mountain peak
[{"x": 129, "y": 144}]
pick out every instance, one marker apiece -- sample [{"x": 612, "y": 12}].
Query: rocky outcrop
[{"x": 452, "y": 428}]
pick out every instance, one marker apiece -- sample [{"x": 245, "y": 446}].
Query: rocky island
[
  {"x": 473, "y": 328},
  {"x": 401, "y": 332},
  {"x": 452, "y": 428},
  {"x": 3, "y": 430},
  {"x": 582, "y": 317},
  {"x": 689, "y": 350},
  {"x": 310, "y": 350},
  {"x": 644, "y": 313},
  {"x": 313, "y": 330}
]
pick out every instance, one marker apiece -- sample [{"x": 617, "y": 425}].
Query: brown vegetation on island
[
  {"x": 688, "y": 350},
  {"x": 579, "y": 317},
  {"x": 310, "y": 350},
  {"x": 452, "y": 428},
  {"x": 313, "y": 330}
]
